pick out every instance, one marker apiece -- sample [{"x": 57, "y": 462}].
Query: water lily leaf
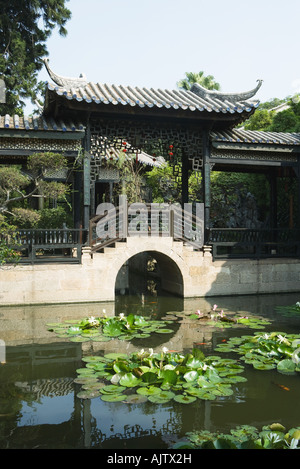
[
  {"x": 88, "y": 394},
  {"x": 85, "y": 371},
  {"x": 92, "y": 358},
  {"x": 194, "y": 363},
  {"x": 112, "y": 389},
  {"x": 164, "y": 331},
  {"x": 148, "y": 391},
  {"x": 161, "y": 397},
  {"x": 113, "y": 329},
  {"x": 262, "y": 366},
  {"x": 80, "y": 339},
  {"x": 129, "y": 380},
  {"x": 112, "y": 397},
  {"x": 115, "y": 356},
  {"x": 286, "y": 366},
  {"x": 101, "y": 338},
  {"x": 169, "y": 377},
  {"x": 222, "y": 391},
  {"x": 201, "y": 393},
  {"x": 203, "y": 382},
  {"x": 191, "y": 376},
  {"x": 149, "y": 377},
  {"x": 184, "y": 399},
  {"x": 135, "y": 399},
  {"x": 236, "y": 379},
  {"x": 86, "y": 380}
]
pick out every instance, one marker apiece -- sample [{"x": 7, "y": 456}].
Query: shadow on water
[{"x": 39, "y": 407}]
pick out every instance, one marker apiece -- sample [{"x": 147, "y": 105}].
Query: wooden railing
[
  {"x": 48, "y": 245},
  {"x": 174, "y": 222},
  {"x": 254, "y": 243}
]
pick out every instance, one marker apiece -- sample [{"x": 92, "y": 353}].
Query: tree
[
  {"x": 207, "y": 82},
  {"x": 25, "y": 26},
  {"x": 17, "y": 188},
  {"x": 260, "y": 120}
]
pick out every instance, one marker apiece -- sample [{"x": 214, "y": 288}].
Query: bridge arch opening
[{"x": 149, "y": 272}]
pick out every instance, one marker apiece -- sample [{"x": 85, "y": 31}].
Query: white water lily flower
[
  {"x": 122, "y": 316},
  {"x": 165, "y": 350},
  {"x": 151, "y": 351},
  {"x": 282, "y": 339},
  {"x": 142, "y": 352},
  {"x": 92, "y": 320}
]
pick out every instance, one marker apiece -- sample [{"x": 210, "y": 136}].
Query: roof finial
[
  {"x": 232, "y": 97},
  {"x": 66, "y": 82}
]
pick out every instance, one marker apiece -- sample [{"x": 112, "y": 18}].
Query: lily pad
[
  {"x": 148, "y": 391},
  {"x": 129, "y": 380},
  {"x": 162, "y": 397},
  {"x": 112, "y": 388},
  {"x": 286, "y": 366},
  {"x": 79, "y": 339},
  {"x": 88, "y": 394},
  {"x": 135, "y": 399},
  {"x": 112, "y": 397},
  {"x": 114, "y": 356},
  {"x": 184, "y": 398}
]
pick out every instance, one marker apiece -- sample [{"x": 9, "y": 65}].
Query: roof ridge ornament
[
  {"x": 66, "y": 82},
  {"x": 232, "y": 97}
]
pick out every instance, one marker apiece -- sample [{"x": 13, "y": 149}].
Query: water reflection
[{"x": 39, "y": 407}]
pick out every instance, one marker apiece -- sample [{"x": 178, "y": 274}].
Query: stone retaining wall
[{"x": 186, "y": 272}]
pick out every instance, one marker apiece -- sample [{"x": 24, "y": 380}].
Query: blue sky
[{"x": 152, "y": 43}]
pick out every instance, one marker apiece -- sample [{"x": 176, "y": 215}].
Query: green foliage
[
  {"x": 159, "y": 377},
  {"x": 24, "y": 30},
  {"x": 121, "y": 327},
  {"x": 163, "y": 184},
  {"x": 53, "y": 218},
  {"x": 267, "y": 119},
  {"x": 267, "y": 351},
  {"x": 285, "y": 121},
  {"x": 7, "y": 237},
  {"x": 274, "y": 436},
  {"x": 260, "y": 120},
  {"x": 41, "y": 163},
  {"x": 207, "y": 82},
  {"x": 17, "y": 188}
]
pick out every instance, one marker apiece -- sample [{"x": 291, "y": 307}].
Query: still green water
[{"x": 39, "y": 407}]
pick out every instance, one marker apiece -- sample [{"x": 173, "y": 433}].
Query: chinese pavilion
[{"x": 193, "y": 130}]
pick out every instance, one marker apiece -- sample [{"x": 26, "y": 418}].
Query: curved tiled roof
[
  {"x": 196, "y": 99},
  {"x": 255, "y": 137},
  {"x": 148, "y": 97},
  {"x": 38, "y": 123}
]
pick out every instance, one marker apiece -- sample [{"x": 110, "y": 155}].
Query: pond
[{"x": 39, "y": 403}]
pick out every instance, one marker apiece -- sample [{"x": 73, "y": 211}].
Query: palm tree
[{"x": 207, "y": 82}]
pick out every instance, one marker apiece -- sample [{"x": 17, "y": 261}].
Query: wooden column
[
  {"x": 273, "y": 199},
  {"x": 86, "y": 180},
  {"x": 185, "y": 181},
  {"x": 77, "y": 198},
  {"x": 206, "y": 183}
]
